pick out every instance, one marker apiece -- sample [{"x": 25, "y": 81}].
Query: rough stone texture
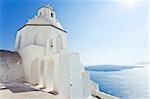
[{"x": 10, "y": 66}]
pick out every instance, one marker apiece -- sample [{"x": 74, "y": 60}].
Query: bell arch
[{"x": 50, "y": 45}]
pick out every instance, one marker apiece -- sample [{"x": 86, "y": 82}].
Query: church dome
[{"x": 45, "y": 15}]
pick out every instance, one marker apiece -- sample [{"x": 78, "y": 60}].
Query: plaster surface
[{"x": 11, "y": 68}]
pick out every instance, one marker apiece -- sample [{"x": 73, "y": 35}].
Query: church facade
[{"x": 47, "y": 62}]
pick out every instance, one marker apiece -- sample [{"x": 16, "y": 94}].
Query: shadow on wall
[{"x": 11, "y": 68}]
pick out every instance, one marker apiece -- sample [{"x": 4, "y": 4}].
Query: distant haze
[{"x": 142, "y": 63}]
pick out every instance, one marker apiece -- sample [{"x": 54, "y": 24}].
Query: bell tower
[
  {"x": 47, "y": 12},
  {"x": 47, "y": 61},
  {"x": 41, "y": 36}
]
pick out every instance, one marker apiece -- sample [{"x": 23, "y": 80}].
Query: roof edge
[{"x": 41, "y": 25}]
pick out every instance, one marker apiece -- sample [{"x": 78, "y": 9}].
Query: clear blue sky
[{"x": 102, "y": 32}]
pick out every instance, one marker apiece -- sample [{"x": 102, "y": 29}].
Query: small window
[
  {"x": 52, "y": 15},
  {"x": 51, "y": 43},
  {"x": 40, "y": 13}
]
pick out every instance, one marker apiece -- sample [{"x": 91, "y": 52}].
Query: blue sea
[{"x": 131, "y": 83}]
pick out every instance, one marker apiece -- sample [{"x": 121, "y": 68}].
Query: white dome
[{"x": 45, "y": 16}]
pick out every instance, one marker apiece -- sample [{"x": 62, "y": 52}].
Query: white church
[{"x": 47, "y": 62}]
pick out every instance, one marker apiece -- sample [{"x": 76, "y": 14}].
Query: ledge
[{"x": 42, "y": 25}]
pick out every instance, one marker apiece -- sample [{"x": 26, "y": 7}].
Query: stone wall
[{"x": 10, "y": 66}]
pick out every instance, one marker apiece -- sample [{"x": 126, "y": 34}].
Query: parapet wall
[{"x": 10, "y": 66}]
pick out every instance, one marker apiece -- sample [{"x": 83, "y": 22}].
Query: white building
[{"x": 47, "y": 62}]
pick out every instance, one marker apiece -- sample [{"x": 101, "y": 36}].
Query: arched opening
[
  {"x": 50, "y": 45},
  {"x": 42, "y": 67},
  {"x": 41, "y": 74},
  {"x": 50, "y": 75},
  {"x": 40, "y": 14},
  {"x": 34, "y": 72},
  {"x": 52, "y": 15},
  {"x": 19, "y": 42}
]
